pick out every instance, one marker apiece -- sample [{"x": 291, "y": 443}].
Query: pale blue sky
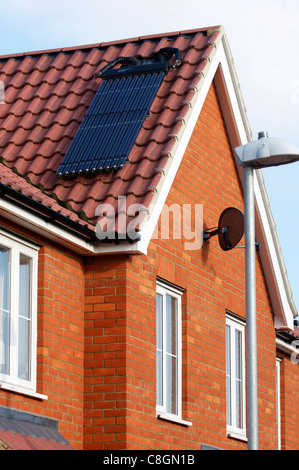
[{"x": 263, "y": 36}]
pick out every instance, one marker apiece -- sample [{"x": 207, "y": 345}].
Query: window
[
  {"x": 18, "y": 295},
  {"x": 168, "y": 353},
  {"x": 235, "y": 377}
]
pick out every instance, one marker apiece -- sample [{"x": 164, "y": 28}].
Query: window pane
[
  {"x": 171, "y": 325},
  {"x": 239, "y": 398},
  {"x": 159, "y": 378},
  {"x": 159, "y": 357},
  {"x": 159, "y": 330},
  {"x": 25, "y": 282},
  {"x": 228, "y": 376},
  {"x": 24, "y": 349},
  {"x": 4, "y": 279},
  {"x": 171, "y": 384},
  {"x": 171, "y": 354},
  {"x": 4, "y": 309},
  {"x": 24, "y": 318}
]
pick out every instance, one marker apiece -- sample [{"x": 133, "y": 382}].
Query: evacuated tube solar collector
[{"x": 117, "y": 112}]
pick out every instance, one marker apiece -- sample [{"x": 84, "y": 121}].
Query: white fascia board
[
  {"x": 27, "y": 219},
  {"x": 240, "y": 133},
  {"x": 291, "y": 349},
  {"x": 22, "y": 217},
  {"x": 177, "y": 155},
  {"x": 271, "y": 256}
]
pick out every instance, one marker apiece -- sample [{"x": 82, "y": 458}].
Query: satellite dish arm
[
  {"x": 211, "y": 233},
  {"x": 207, "y": 234}
]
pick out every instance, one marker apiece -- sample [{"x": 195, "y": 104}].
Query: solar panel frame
[{"x": 111, "y": 124}]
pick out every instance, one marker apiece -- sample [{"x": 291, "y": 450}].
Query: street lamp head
[{"x": 267, "y": 151}]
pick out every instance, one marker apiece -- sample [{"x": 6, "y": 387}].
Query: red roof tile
[
  {"x": 17, "y": 441},
  {"x": 47, "y": 94},
  {"x": 23, "y": 431}
]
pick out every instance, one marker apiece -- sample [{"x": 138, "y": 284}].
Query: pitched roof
[
  {"x": 47, "y": 94},
  {"x": 24, "y": 431}
]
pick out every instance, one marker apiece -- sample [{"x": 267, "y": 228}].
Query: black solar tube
[
  {"x": 105, "y": 142},
  {"x": 131, "y": 131},
  {"x": 153, "y": 87},
  {"x": 79, "y": 152},
  {"x": 115, "y": 109},
  {"x": 102, "y": 124},
  {"x": 74, "y": 154},
  {"x": 103, "y": 96},
  {"x": 81, "y": 142},
  {"x": 123, "y": 127}
]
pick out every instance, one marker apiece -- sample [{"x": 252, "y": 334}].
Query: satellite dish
[{"x": 230, "y": 229}]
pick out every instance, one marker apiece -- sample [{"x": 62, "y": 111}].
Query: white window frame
[
  {"x": 233, "y": 430},
  {"x": 11, "y": 381},
  {"x": 164, "y": 290}
]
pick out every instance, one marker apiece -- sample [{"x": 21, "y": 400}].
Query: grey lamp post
[{"x": 261, "y": 153}]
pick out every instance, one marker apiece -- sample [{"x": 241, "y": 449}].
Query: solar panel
[
  {"x": 117, "y": 112},
  {"x": 112, "y": 123}
]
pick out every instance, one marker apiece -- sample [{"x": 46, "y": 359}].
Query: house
[{"x": 121, "y": 328}]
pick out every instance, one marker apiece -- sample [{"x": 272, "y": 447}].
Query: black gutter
[
  {"x": 50, "y": 215},
  {"x": 287, "y": 336},
  {"x": 46, "y": 213}
]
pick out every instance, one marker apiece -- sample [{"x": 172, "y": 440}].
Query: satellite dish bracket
[{"x": 209, "y": 234}]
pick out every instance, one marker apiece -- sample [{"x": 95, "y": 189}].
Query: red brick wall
[
  {"x": 120, "y": 346},
  {"x": 60, "y": 336},
  {"x": 97, "y": 326},
  {"x": 105, "y": 353},
  {"x": 60, "y": 339},
  {"x": 289, "y": 403}
]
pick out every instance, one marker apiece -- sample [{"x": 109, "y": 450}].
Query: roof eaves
[{"x": 47, "y": 213}]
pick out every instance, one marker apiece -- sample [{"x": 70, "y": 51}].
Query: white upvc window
[
  {"x": 18, "y": 311},
  {"x": 235, "y": 377},
  {"x": 169, "y": 353}
]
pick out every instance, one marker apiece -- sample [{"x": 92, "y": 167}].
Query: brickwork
[
  {"x": 59, "y": 341},
  {"x": 96, "y": 350},
  {"x": 60, "y": 344},
  {"x": 120, "y": 318},
  {"x": 289, "y": 403},
  {"x": 204, "y": 301},
  {"x": 105, "y": 348}
]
